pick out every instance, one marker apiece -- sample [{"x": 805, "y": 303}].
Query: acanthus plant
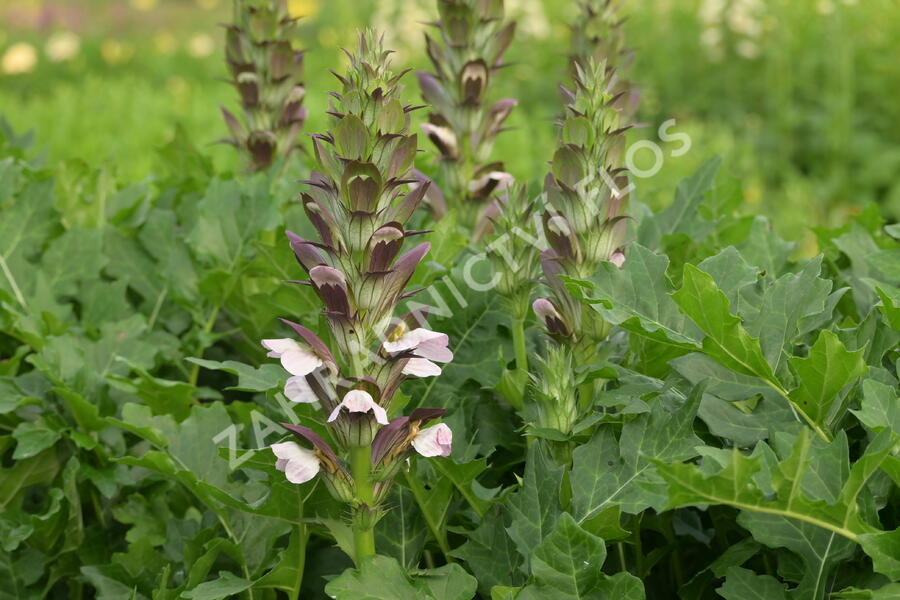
[
  {"x": 584, "y": 222},
  {"x": 463, "y": 123},
  {"x": 357, "y": 204},
  {"x": 266, "y": 69}
]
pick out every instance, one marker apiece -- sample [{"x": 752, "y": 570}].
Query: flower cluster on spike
[
  {"x": 597, "y": 34},
  {"x": 586, "y": 196},
  {"x": 358, "y": 200},
  {"x": 267, "y": 70},
  {"x": 466, "y": 56},
  {"x": 514, "y": 246}
]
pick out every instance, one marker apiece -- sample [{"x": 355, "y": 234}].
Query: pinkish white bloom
[
  {"x": 359, "y": 401},
  {"x": 296, "y": 359},
  {"x": 298, "y": 464},
  {"x": 424, "y": 343},
  {"x": 421, "y": 367},
  {"x": 427, "y": 345},
  {"x": 617, "y": 258},
  {"x": 297, "y": 390},
  {"x": 434, "y": 441}
]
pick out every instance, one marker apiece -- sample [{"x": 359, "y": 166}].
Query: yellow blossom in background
[
  {"x": 143, "y": 5},
  {"x": 19, "y": 58},
  {"x": 164, "y": 42},
  {"x": 115, "y": 52},
  {"x": 303, "y": 8},
  {"x": 207, "y": 4},
  {"x": 62, "y": 46},
  {"x": 201, "y": 45}
]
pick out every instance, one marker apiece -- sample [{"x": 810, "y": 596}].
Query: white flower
[
  {"x": 297, "y": 390},
  {"x": 62, "y": 46},
  {"x": 421, "y": 367},
  {"x": 19, "y": 58},
  {"x": 426, "y": 344},
  {"x": 359, "y": 401},
  {"x": 617, "y": 258},
  {"x": 433, "y": 441},
  {"x": 296, "y": 359},
  {"x": 298, "y": 464}
]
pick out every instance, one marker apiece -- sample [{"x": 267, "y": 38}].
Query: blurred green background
[{"x": 800, "y": 96}]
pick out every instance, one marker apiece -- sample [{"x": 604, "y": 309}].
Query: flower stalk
[
  {"x": 466, "y": 54},
  {"x": 358, "y": 200},
  {"x": 584, "y": 220},
  {"x": 266, "y": 69}
]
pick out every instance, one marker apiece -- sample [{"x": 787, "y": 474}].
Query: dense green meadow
[{"x": 691, "y": 394}]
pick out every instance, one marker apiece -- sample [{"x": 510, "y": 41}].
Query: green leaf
[
  {"x": 767, "y": 489},
  {"x": 785, "y": 303},
  {"x": 568, "y": 563},
  {"x": 250, "y": 379},
  {"x": 880, "y": 407},
  {"x": 450, "y": 582},
  {"x": 33, "y": 437},
  {"x": 226, "y": 586},
  {"x": 608, "y": 473},
  {"x": 381, "y": 578},
  {"x": 727, "y": 341},
  {"x": 823, "y": 374},
  {"x": 884, "y": 549},
  {"x": 401, "y": 532},
  {"x": 535, "y": 507},
  {"x": 743, "y": 584},
  {"x": 636, "y": 297},
  {"x": 491, "y": 554},
  {"x": 819, "y": 549}
]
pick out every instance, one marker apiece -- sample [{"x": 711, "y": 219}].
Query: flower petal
[
  {"x": 297, "y": 390},
  {"x": 421, "y": 367},
  {"x": 300, "y": 362},
  {"x": 299, "y": 464},
  {"x": 360, "y": 401},
  {"x": 277, "y": 347},
  {"x": 434, "y": 441}
]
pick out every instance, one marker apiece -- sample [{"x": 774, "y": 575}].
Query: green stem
[
  {"x": 518, "y": 333},
  {"x": 419, "y": 494},
  {"x": 207, "y": 327},
  {"x": 363, "y": 534}
]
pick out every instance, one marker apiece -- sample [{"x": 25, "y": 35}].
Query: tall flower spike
[
  {"x": 466, "y": 55},
  {"x": 266, "y": 69},
  {"x": 359, "y": 199},
  {"x": 586, "y": 195},
  {"x": 597, "y": 34}
]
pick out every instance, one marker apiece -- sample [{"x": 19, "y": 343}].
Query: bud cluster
[
  {"x": 597, "y": 34},
  {"x": 359, "y": 200},
  {"x": 586, "y": 196},
  {"x": 473, "y": 37},
  {"x": 267, "y": 70},
  {"x": 515, "y": 246}
]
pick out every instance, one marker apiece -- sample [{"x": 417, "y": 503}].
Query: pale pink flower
[
  {"x": 297, "y": 390},
  {"x": 434, "y": 441},
  {"x": 427, "y": 345},
  {"x": 297, "y": 359},
  {"x": 359, "y": 401},
  {"x": 298, "y": 464}
]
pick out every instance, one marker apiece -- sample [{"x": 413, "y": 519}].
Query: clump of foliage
[{"x": 713, "y": 415}]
